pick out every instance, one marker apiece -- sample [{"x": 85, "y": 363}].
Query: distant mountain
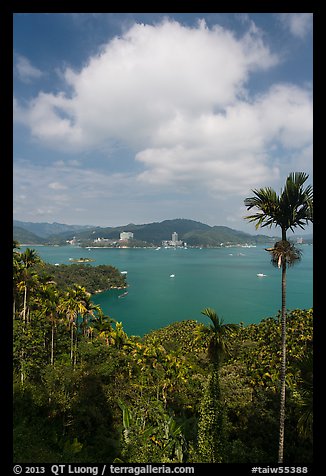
[
  {"x": 157, "y": 232},
  {"x": 44, "y": 230},
  {"x": 24, "y": 236},
  {"x": 190, "y": 231}
]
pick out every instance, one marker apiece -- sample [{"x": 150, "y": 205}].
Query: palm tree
[
  {"x": 291, "y": 209},
  {"x": 74, "y": 305},
  {"x": 118, "y": 336},
  {"x": 218, "y": 336},
  {"x": 28, "y": 259},
  {"x": 24, "y": 278},
  {"x": 102, "y": 324},
  {"x": 16, "y": 273},
  {"x": 90, "y": 309},
  {"x": 211, "y": 422},
  {"x": 49, "y": 301}
]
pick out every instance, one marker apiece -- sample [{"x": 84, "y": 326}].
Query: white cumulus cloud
[{"x": 177, "y": 96}]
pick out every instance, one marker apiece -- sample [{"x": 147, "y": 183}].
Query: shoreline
[{"x": 99, "y": 291}]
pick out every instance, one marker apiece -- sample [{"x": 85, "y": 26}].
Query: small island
[{"x": 95, "y": 279}]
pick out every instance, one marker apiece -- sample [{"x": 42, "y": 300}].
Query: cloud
[
  {"x": 61, "y": 189},
  {"x": 230, "y": 151},
  {"x": 25, "y": 70},
  {"x": 299, "y": 24},
  {"x": 142, "y": 79},
  {"x": 177, "y": 97}
]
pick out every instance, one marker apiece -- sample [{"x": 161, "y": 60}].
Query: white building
[
  {"x": 126, "y": 235},
  {"x": 174, "y": 237},
  {"x": 174, "y": 242}
]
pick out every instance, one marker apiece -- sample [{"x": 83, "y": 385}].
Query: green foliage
[
  {"x": 149, "y": 436},
  {"x": 259, "y": 347},
  {"x": 160, "y": 398},
  {"x": 93, "y": 278},
  {"x": 211, "y": 425}
]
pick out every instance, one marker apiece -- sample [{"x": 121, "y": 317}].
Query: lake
[{"x": 169, "y": 285}]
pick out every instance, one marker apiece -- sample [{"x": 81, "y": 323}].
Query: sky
[{"x": 139, "y": 117}]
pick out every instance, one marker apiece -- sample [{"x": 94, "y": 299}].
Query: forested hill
[
  {"x": 193, "y": 232},
  {"x": 93, "y": 278},
  {"x": 25, "y": 236}
]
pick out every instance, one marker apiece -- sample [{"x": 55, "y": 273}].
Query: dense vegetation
[
  {"x": 93, "y": 278},
  {"x": 85, "y": 391}
]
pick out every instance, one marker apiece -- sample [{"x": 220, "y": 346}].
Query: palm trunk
[
  {"x": 283, "y": 367},
  {"x": 72, "y": 344},
  {"x": 211, "y": 425},
  {"x": 25, "y": 303},
  {"x": 75, "y": 349},
  {"x": 52, "y": 343},
  {"x": 22, "y": 354},
  {"x": 22, "y": 375}
]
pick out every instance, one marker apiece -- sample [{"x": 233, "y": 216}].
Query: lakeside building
[
  {"x": 174, "y": 237},
  {"x": 174, "y": 242},
  {"x": 104, "y": 241},
  {"x": 73, "y": 241},
  {"x": 126, "y": 235}
]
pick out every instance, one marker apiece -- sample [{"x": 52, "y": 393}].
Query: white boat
[
  {"x": 172, "y": 275},
  {"x": 261, "y": 275},
  {"x": 123, "y": 295},
  {"x": 158, "y": 248},
  {"x": 124, "y": 272}
]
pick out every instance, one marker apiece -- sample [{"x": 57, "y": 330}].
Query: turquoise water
[{"x": 224, "y": 279}]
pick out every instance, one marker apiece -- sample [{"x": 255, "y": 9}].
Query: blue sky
[{"x": 133, "y": 118}]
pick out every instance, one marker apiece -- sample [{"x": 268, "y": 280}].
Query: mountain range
[{"x": 190, "y": 231}]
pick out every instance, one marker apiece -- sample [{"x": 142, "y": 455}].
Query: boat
[
  {"x": 172, "y": 275},
  {"x": 123, "y": 294},
  {"x": 158, "y": 248},
  {"x": 124, "y": 272},
  {"x": 261, "y": 275}
]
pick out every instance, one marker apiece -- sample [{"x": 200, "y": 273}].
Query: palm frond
[
  {"x": 267, "y": 202},
  {"x": 297, "y": 201},
  {"x": 292, "y": 208}
]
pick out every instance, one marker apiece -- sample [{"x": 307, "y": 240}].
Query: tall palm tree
[
  {"x": 16, "y": 273},
  {"x": 49, "y": 298},
  {"x": 102, "y": 324},
  {"x": 24, "y": 278},
  {"x": 28, "y": 259},
  {"x": 211, "y": 423},
  {"x": 90, "y": 309},
  {"x": 73, "y": 306},
  {"x": 291, "y": 209}
]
